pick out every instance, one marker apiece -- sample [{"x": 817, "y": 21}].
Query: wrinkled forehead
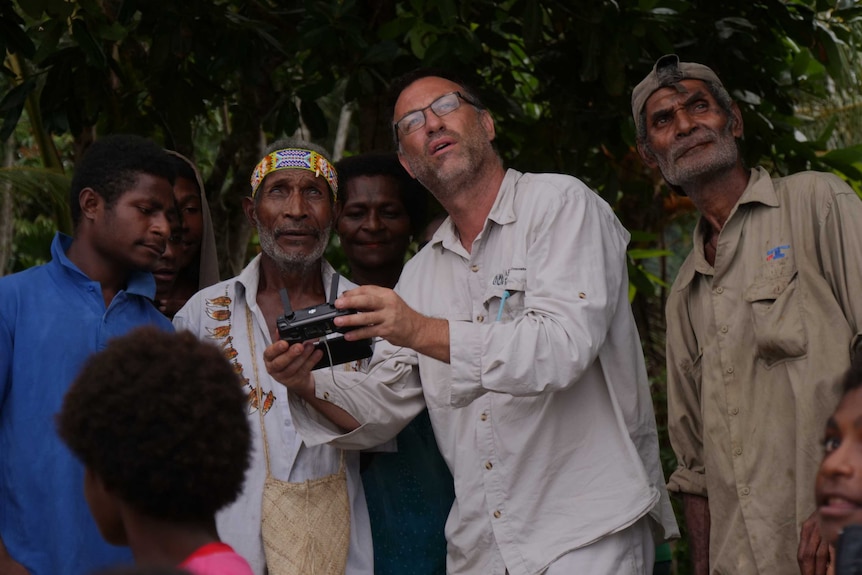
[
  {"x": 294, "y": 176},
  {"x": 671, "y": 94},
  {"x": 421, "y": 93}
]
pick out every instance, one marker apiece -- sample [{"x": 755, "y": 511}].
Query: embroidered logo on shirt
[
  {"x": 503, "y": 278},
  {"x": 776, "y": 253}
]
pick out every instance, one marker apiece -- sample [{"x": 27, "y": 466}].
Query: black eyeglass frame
[{"x": 396, "y": 129}]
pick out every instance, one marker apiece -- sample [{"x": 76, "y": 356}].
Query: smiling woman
[{"x": 380, "y": 210}]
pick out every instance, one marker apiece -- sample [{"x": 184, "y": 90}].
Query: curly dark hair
[
  {"x": 161, "y": 419},
  {"x": 414, "y": 196},
  {"x": 112, "y": 164}
]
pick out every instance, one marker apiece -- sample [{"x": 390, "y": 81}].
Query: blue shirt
[{"x": 52, "y": 318}]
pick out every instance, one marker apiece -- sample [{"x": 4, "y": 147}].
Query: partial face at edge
[{"x": 838, "y": 489}]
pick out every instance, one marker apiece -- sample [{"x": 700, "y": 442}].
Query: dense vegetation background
[{"x": 217, "y": 79}]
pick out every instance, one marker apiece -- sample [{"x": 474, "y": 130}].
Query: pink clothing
[{"x": 216, "y": 559}]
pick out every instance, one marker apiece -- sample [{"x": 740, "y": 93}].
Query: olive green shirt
[{"x": 756, "y": 345}]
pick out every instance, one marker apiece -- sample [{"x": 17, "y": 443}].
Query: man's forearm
[
  {"x": 329, "y": 410},
  {"x": 696, "y": 510},
  {"x": 432, "y": 339}
]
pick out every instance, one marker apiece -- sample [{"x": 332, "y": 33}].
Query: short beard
[
  {"x": 288, "y": 261},
  {"x": 724, "y": 156},
  {"x": 475, "y": 146}
]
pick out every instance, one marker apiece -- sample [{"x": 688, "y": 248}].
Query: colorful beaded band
[{"x": 293, "y": 159}]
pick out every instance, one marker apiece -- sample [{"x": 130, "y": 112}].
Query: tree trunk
[{"x": 7, "y": 213}]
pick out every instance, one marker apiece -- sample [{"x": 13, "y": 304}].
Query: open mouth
[
  {"x": 440, "y": 145},
  {"x": 837, "y": 506}
]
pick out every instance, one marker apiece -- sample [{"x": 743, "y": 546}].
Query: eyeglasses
[{"x": 445, "y": 104}]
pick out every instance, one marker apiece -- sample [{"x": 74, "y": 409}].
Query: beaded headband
[{"x": 293, "y": 159}]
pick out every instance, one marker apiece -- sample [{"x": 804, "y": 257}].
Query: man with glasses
[{"x": 513, "y": 327}]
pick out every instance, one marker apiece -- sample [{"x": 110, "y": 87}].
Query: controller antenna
[{"x": 288, "y": 311}]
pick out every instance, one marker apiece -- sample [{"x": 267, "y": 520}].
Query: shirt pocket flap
[
  {"x": 505, "y": 301},
  {"x": 768, "y": 288}
]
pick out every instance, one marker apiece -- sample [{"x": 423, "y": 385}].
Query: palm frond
[{"x": 46, "y": 188}]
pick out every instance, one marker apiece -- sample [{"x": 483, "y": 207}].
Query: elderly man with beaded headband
[
  {"x": 762, "y": 320},
  {"x": 293, "y": 189}
]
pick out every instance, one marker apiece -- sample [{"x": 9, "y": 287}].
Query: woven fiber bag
[{"x": 306, "y": 526}]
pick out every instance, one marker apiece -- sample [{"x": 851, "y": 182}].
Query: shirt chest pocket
[
  {"x": 505, "y": 302},
  {"x": 777, "y": 317}
]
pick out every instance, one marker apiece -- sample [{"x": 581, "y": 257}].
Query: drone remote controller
[{"x": 316, "y": 323}]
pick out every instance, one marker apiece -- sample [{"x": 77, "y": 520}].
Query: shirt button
[
  {"x": 719, "y": 290},
  {"x": 724, "y": 329},
  {"x": 744, "y": 491},
  {"x": 737, "y": 451},
  {"x": 497, "y": 514},
  {"x": 734, "y": 410},
  {"x": 474, "y": 268},
  {"x": 730, "y": 369},
  {"x": 480, "y": 318},
  {"x": 484, "y": 417},
  {"x": 488, "y": 465},
  {"x": 325, "y": 395}
]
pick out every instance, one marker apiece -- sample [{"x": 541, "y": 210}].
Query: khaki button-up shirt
[
  {"x": 544, "y": 415},
  {"x": 755, "y": 348}
]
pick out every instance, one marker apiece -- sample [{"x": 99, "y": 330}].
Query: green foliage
[
  {"x": 213, "y": 80},
  {"x": 46, "y": 190},
  {"x": 32, "y": 242}
]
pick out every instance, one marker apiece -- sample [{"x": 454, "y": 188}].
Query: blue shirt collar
[{"x": 140, "y": 282}]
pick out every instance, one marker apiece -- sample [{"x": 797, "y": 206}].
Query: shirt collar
[
  {"x": 502, "y": 212},
  {"x": 759, "y": 190},
  {"x": 249, "y": 280},
  {"x": 139, "y": 283}
]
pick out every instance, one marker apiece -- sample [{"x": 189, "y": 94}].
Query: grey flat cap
[{"x": 668, "y": 70}]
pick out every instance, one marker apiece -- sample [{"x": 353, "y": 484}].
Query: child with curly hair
[{"x": 158, "y": 420}]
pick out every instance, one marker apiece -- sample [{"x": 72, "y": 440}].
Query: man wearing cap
[
  {"x": 762, "y": 319},
  {"x": 513, "y": 327},
  {"x": 293, "y": 190}
]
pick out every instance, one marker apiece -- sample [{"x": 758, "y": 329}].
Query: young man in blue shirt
[{"x": 97, "y": 286}]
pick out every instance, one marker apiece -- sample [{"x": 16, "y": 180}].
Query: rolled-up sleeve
[
  {"x": 685, "y": 421},
  {"x": 383, "y": 400}
]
